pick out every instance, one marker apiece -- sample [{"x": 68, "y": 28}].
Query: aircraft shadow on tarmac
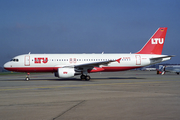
[
  {"x": 74, "y": 79},
  {"x": 92, "y": 79}
]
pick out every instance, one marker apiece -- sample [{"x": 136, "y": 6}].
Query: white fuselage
[{"x": 51, "y": 62}]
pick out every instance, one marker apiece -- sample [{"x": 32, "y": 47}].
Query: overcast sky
[{"x": 86, "y": 26}]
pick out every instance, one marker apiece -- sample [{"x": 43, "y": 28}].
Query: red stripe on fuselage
[
  {"x": 32, "y": 69},
  {"x": 112, "y": 69},
  {"x": 54, "y": 69}
]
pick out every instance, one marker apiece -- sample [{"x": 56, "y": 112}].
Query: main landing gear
[
  {"x": 27, "y": 77},
  {"x": 85, "y": 77}
]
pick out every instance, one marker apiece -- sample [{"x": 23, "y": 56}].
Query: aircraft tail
[{"x": 155, "y": 43}]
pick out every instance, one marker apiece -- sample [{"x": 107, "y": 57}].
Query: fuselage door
[
  {"x": 27, "y": 61},
  {"x": 138, "y": 60}
]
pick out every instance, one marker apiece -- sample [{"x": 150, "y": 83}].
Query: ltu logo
[
  {"x": 38, "y": 60},
  {"x": 157, "y": 40}
]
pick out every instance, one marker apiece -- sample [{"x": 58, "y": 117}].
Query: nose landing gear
[{"x": 27, "y": 77}]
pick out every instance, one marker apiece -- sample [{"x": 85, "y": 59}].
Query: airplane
[
  {"x": 69, "y": 65},
  {"x": 169, "y": 68}
]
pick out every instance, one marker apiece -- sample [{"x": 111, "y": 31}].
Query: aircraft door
[
  {"x": 138, "y": 60},
  {"x": 27, "y": 61}
]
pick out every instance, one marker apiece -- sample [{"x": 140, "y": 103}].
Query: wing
[
  {"x": 82, "y": 67},
  {"x": 93, "y": 64}
]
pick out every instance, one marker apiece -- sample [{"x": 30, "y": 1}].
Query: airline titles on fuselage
[{"x": 39, "y": 60}]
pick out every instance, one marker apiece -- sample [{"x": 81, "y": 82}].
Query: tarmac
[{"x": 127, "y": 95}]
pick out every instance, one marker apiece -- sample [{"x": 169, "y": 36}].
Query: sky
[{"x": 86, "y": 26}]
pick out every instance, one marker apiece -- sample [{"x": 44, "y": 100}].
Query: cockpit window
[{"x": 15, "y": 60}]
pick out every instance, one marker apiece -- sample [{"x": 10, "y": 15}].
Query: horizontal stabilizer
[{"x": 156, "y": 58}]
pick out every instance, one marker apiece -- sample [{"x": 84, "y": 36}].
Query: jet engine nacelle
[{"x": 65, "y": 72}]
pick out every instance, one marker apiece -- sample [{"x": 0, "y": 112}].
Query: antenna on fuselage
[{"x": 29, "y": 52}]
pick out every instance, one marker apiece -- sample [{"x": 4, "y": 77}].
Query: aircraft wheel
[
  {"x": 88, "y": 78},
  {"x": 27, "y": 78},
  {"x": 177, "y": 73},
  {"x": 83, "y": 77}
]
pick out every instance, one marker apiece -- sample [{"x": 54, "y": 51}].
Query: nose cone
[{"x": 6, "y": 65}]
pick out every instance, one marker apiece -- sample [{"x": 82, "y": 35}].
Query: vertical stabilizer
[{"x": 155, "y": 43}]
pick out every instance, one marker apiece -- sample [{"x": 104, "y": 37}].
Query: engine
[{"x": 65, "y": 72}]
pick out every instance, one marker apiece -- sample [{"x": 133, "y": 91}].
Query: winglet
[{"x": 118, "y": 60}]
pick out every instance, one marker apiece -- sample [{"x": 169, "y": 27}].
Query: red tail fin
[{"x": 155, "y": 43}]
